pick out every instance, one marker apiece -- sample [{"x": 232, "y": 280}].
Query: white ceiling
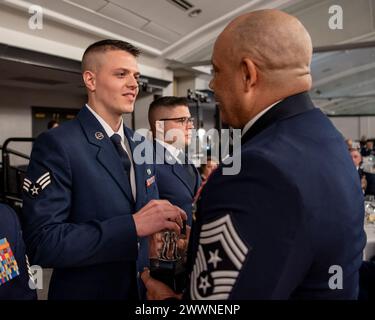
[
  {"x": 165, "y": 31},
  {"x": 159, "y": 27},
  {"x": 344, "y": 81}
]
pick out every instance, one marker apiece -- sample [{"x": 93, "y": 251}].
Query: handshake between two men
[{"x": 165, "y": 225}]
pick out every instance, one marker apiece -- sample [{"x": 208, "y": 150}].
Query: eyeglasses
[{"x": 183, "y": 120}]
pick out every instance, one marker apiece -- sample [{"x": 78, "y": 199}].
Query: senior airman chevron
[
  {"x": 221, "y": 254},
  {"x": 34, "y": 189}
]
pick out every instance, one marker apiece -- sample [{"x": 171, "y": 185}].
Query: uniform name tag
[
  {"x": 8, "y": 263},
  {"x": 150, "y": 181}
]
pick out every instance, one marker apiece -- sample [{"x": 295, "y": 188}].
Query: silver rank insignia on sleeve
[
  {"x": 34, "y": 189},
  {"x": 29, "y": 272},
  {"x": 221, "y": 254}
]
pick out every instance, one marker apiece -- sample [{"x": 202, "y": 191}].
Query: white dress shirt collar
[
  {"x": 124, "y": 143},
  {"x": 107, "y": 127},
  {"x": 171, "y": 149},
  {"x": 253, "y": 120}
]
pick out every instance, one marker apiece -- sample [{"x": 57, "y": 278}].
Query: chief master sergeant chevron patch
[{"x": 221, "y": 254}]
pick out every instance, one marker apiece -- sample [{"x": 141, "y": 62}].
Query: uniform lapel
[
  {"x": 107, "y": 155},
  {"x": 178, "y": 170},
  {"x": 181, "y": 172}
]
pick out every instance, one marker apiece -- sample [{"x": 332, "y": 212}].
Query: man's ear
[
  {"x": 89, "y": 80},
  {"x": 249, "y": 73},
  {"x": 159, "y": 130}
]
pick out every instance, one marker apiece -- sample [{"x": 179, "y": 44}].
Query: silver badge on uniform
[
  {"x": 99, "y": 135},
  {"x": 221, "y": 254},
  {"x": 148, "y": 171},
  {"x": 169, "y": 159},
  {"x": 34, "y": 189}
]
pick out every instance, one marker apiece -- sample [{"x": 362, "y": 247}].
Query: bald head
[
  {"x": 260, "y": 58},
  {"x": 275, "y": 41}
]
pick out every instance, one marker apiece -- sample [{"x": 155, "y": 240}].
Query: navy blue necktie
[
  {"x": 116, "y": 139},
  {"x": 189, "y": 168}
]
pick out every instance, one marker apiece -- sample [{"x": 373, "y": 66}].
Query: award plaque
[{"x": 168, "y": 258}]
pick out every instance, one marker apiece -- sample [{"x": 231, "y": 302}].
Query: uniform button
[
  {"x": 138, "y": 274},
  {"x": 139, "y": 245}
]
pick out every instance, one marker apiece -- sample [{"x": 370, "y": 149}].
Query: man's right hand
[{"x": 158, "y": 215}]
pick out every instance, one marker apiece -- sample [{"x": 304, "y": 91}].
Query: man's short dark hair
[
  {"x": 167, "y": 102},
  {"x": 109, "y": 44},
  {"x": 164, "y": 102}
]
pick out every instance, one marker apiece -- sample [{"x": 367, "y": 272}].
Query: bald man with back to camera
[{"x": 290, "y": 224}]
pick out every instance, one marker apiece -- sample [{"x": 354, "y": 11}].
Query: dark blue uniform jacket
[
  {"x": 290, "y": 224},
  {"x": 14, "y": 276},
  {"x": 78, "y": 208}
]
